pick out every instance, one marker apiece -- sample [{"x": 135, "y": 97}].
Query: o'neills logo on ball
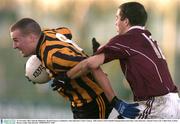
[{"x": 38, "y": 71}]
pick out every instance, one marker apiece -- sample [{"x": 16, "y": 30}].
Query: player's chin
[
  {"x": 120, "y": 32},
  {"x": 25, "y": 55},
  {"x": 117, "y": 30}
]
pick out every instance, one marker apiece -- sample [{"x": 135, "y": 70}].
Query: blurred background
[{"x": 21, "y": 99}]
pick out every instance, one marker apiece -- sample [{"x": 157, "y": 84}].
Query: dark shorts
[{"x": 99, "y": 108}]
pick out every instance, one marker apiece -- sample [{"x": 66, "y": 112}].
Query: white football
[{"x": 35, "y": 71}]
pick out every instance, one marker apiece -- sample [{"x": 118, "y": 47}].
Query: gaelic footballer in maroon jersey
[{"x": 142, "y": 63}]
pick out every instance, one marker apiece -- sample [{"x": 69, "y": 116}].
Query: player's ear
[
  {"x": 33, "y": 37},
  {"x": 126, "y": 21}
]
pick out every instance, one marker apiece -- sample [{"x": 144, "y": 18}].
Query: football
[{"x": 35, "y": 71}]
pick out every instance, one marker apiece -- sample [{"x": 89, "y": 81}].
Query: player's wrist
[
  {"x": 61, "y": 81},
  {"x": 114, "y": 101},
  {"x": 63, "y": 76},
  {"x": 68, "y": 75}
]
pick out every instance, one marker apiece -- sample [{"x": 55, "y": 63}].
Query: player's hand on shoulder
[
  {"x": 95, "y": 45},
  {"x": 127, "y": 110},
  {"x": 60, "y": 81}
]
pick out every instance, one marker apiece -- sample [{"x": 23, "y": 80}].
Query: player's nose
[{"x": 15, "y": 46}]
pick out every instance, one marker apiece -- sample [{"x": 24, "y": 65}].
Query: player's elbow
[
  {"x": 94, "y": 62},
  {"x": 92, "y": 65}
]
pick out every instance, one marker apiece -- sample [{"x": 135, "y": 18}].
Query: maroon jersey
[{"x": 142, "y": 63}]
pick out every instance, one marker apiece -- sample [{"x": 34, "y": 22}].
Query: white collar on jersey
[
  {"x": 136, "y": 27},
  {"x": 63, "y": 38}
]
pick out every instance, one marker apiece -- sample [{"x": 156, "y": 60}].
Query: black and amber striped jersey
[{"x": 59, "y": 54}]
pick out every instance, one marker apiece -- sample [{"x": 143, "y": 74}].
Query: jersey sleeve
[
  {"x": 116, "y": 48},
  {"x": 63, "y": 61}
]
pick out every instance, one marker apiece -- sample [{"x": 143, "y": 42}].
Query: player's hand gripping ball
[{"x": 35, "y": 71}]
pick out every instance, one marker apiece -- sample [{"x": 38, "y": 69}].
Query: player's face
[
  {"x": 121, "y": 25},
  {"x": 24, "y": 43}
]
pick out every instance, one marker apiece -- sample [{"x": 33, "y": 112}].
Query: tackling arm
[
  {"x": 93, "y": 64},
  {"x": 86, "y": 65},
  {"x": 104, "y": 82}
]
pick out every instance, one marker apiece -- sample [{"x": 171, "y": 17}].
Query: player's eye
[{"x": 15, "y": 40}]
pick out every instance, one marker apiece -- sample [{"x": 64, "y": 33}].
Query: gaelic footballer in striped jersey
[{"x": 58, "y": 53}]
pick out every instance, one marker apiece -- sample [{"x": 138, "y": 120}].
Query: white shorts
[{"x": 161, "y": 107}]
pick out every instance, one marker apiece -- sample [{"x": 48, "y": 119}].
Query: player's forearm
[
  {"x": 104, "y": 82},
  {"x": 80, "y": 69},
  {"x": 86, "y": 65}
]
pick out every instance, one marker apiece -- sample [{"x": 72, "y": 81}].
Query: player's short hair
[
  {"x": 134, "y": 12},
  {"x": 26, "y": 26}
]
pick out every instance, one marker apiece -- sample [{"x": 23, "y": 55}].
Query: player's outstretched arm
[
  {"x": 104, "y": 83},
  {"x": 86, "y": 65},
  {"x": 127, "y": 110},
  {"x": 93, "y": 64}
]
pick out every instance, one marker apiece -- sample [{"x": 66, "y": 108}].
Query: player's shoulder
[
  {"x": 135, "y": 35},
  {"x": 121, "y": 38},
  {"x": 62, "y": 30}
]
